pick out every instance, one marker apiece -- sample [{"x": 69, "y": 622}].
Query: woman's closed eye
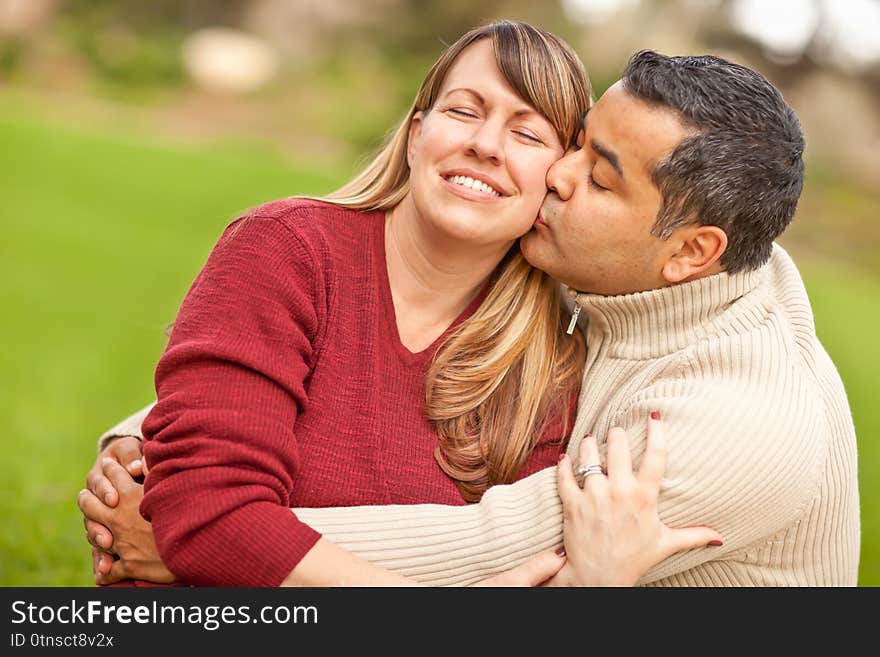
[
  {"x": 462, "y": 111},
  {"x": 528, "y": 134}
]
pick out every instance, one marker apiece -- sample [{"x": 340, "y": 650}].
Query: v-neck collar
[{"x": 407, "y": 357}]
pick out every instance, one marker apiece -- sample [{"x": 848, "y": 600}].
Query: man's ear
[
  {"x": 699, "y": 252},
  {"x": 415, "y": 131}
]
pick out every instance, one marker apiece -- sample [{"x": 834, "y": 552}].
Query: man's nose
[{"x": 562, "y": 176}]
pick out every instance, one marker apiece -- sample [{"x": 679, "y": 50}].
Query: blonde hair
[{"x": 498, "y": 378}]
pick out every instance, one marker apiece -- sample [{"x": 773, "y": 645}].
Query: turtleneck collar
[{"x": 658, "y": 322}]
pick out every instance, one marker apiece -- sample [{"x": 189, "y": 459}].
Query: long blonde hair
[{"x": 499, "y": 377}]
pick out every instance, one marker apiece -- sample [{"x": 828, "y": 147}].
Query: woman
[{"x": 302, "y": 356}]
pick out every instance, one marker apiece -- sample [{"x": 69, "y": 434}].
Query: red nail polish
[
  {"x": 560, "y": 552},
  {"x": 561, "y": 456},
  {"x": 715, "y": 543},
  {"x": 655, "y": 415}
]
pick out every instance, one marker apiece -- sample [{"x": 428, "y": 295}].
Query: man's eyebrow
[{"x": 609, "y": 155}]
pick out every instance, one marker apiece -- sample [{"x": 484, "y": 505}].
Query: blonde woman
[{"x": 336, "y": 351}]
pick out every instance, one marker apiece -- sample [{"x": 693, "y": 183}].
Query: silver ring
[{"x": 584, "y": 471}]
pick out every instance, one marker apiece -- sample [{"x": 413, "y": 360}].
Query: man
[{"x": 662, "y": 225}]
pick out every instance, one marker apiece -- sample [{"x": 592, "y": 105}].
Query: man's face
[{"x": 594, "y": 229}]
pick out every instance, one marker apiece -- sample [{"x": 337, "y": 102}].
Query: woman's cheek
[{"x": 537, "y": 180}]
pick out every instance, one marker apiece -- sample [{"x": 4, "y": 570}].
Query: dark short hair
[{"x": 742, "y": 171}]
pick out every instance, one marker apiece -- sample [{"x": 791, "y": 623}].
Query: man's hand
[
  {"x": 613, "y": 533},
  {"x": 128, "y": 452},
  {"x": 131, "y": 536}
]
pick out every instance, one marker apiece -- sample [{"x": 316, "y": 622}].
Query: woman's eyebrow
[
  {"x": 477, "y": 95},
  {"x": 523, "y": 111}
]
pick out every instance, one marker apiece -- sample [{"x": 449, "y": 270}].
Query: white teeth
[{"x": 467, "y": 181}]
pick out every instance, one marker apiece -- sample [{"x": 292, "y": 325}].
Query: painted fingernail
[
  {"x": 560, "y": 552},
  {"x": 715, "y": 543},
  {"x": 561, "y": 456},
  {"x": 655, "y": 415}
]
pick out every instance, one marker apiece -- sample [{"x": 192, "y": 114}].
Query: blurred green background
[{"x": 131, "y": 133}]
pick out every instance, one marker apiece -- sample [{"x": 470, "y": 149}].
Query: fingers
[
  {"x": 118, "y": 476},
  {"x": 588, "y": 454},
  {"x": 92, "y": 508},
  {"x": 536, "y": 570},
  {"x": 128, "y": 451},
  {"x": 588, "y": 451},
  {"x": 654, "y": 460},
  {"x": 619, "y": 459},
  {"x": 100, "y": 486},
  {"x": 105, "y": 562},
  {"x": 688, "y": 538},
  {"x": 98, "y": 535},
  {"x": 115, "y": 573},
  {"x": 566, "y": 484}
]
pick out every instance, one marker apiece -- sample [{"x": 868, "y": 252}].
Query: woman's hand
[
  {"x": 612, "y": 531},
  {"x": 534, "y": 572},
  {"x": 131, "y": 536}
]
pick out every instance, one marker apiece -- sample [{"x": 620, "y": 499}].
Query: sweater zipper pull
[{"x": 574, "y": 317}]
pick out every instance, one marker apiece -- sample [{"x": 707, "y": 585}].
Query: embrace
[{"x": 536, "y": 341}]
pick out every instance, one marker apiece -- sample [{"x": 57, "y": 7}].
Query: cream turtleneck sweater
[{"x": 761, "y": 445}]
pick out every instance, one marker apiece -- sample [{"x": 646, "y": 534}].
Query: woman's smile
[{"x": 474, "y": 186}]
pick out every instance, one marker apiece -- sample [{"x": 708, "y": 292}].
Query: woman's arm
[{"x": 221, "y": 440}]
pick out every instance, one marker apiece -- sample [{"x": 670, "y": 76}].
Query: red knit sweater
[{"x": 285, "y": 384}]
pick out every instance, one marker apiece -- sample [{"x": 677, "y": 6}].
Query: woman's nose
[{"x": 487, "y": 141}]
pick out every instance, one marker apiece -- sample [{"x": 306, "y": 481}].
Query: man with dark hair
[
  {"x": 742, "y": 171},
  {"x": 662, "y": 225}
]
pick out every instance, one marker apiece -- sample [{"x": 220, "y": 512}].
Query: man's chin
[{"x": 529, "y": 245}]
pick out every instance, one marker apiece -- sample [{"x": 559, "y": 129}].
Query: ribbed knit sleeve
[
  {"x": 743, "y": 460},
  {"x": 451, "y": 545},
  {"x": 130, "y": 426},
  {"x": 220, "y": 441},
  {"x": 735, "y": 463}
]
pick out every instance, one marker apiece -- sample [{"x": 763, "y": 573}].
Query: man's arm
[
  {"x": 130, "y": 426},
  {"x": 734, "y": 465},
  {"x": 451, "y": 545},
  {"x": 737, "y": 463}
]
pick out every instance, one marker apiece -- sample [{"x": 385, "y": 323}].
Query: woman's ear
[
  {"x": 700, "y": 251},
  {"x": 415, "y": 131}
]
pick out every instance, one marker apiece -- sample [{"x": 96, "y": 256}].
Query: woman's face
[{"x": 479, "y": 157}]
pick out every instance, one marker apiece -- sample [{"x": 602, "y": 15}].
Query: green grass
[
  {"x": 101, "y": 237},
  {"x": 846, "y": 305}
]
